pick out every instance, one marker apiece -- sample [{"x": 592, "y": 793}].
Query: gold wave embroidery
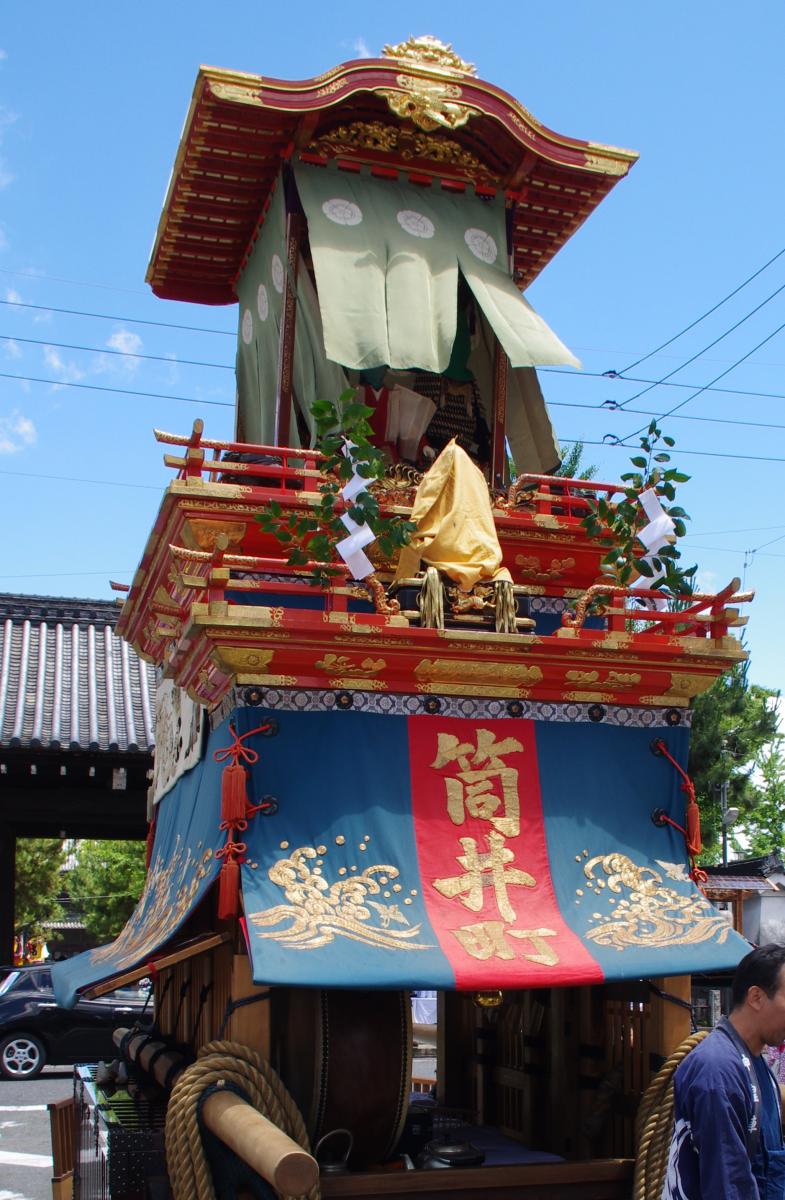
[
  {"x": 651, "y": 914},
  {"x": 320, "y": 911},
  {"x": 167, "y": 898}
]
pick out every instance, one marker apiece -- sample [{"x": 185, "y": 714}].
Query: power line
[
  {"x": 721, "y": 375},
  {"x": 149, "y": 487},
  {"x": 730, "y": 550},
  {"x": 644, "y": 412},
  {"x": 699, "y": 353},
  {"x": 73, "y": 312},
  {"x": 614, "y": 404},
  {"x": 36, "y": 276},
  {"x": 703, "y": 316},
  {"x": 186, "y": 362},
  {"x": 94, "y": 387},
  {"x": 618, "y": 444},
  {"x": 722, "y": 532}
]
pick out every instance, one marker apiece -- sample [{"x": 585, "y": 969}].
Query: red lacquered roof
[{"x": 419, "y": 111}]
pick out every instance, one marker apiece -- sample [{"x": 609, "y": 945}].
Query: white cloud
[
  {"x": 69, "y": 372},
  {"x": 125, "y": 341},
  {"x": 3, "y": 55},
  {"x": 360, "y": 47},
  {"x": 12, "y": 296},
  {"x": 12, "y": 349},
  {"x": 16, "y": 433},
  {"x": 707, "y": 582}
]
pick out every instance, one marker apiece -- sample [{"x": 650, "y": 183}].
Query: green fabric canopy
[
  {"x": 260, "y": 291},
  {"x": 387, "y": 256}
]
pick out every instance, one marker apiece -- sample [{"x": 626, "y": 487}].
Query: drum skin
[{"x": 345, "y": 1056}]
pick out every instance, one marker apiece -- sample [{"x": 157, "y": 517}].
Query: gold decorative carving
[
  {"x": 613, "y": 679},
  {"x": 242, "y": 659},
  {"x": 374, "y": 135},
  {"x": 428, "y": 51},
  {"x": 360, "y": 135},
  {"x": 331, "y": 663},
  {"x": 357, "y": 684},
  {"x": 236, "y": 92},
  {"x": 429, "y": 103},
  {"x": 533, "y": 568},
  {"x": 330, "y": 88},
  {"x": 688, "y": 686},
  {"x": 484, "y": 690},
  {"x": 328, "y": 74},
  {"x": 608, "y": 166},
  {"x": 319, "y": 912},
  {"x": 202, "y": 535},
  {"x": 455, "y": 670},
  {"x": 650, "y": 914}
]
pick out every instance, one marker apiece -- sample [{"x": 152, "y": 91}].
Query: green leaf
[
  {"x": 680, "y": 478},
  {"x": 639, "y": 462},
  {"x": 644, "y": 568},
  {"x": 661, "y": 458},
  {"x": 679, "y": 528},
  {"x": 669, "y": 441}
]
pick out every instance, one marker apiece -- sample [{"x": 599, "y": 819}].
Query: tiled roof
[
  {"x": 763, "y": 865},
  {"x": 739, "y": 883},
  {"x": 67, "y": 680}
]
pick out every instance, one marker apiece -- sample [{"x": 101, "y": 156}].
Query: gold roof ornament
[
  {"x": 428, "y": 51},
  {"x": 428, "y": 104}
]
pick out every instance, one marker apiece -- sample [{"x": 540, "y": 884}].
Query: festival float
[{"x": 418, "y": 727}]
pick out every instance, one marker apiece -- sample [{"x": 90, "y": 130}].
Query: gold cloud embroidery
[
  {"x": 319, "y": 911},
  {"x": 169, "y": 894},
  {"x": 650, "y": 914}
]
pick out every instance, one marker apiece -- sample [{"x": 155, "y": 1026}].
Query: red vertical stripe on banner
[{"x": 483, "y": 856}]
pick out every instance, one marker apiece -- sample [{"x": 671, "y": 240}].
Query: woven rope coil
[
  {"x": 189, "y": 1172},
  {"x": 654, "y": 1127}
]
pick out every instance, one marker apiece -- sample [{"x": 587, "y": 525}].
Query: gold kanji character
[
  {"x": 484, "y": 870},
  {"x": 487, "y": 940},
  {"x": 482, "y": 772}
]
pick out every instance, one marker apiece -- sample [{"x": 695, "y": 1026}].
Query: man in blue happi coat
[{"x": 727, "y": 1142}]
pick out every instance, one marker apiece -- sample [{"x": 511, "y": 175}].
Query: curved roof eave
[{"x": 240, "y": 127}]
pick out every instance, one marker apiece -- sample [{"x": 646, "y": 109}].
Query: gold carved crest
[
  {"x": 428, "y": 51},
  {"x": 429, "y": 103}
]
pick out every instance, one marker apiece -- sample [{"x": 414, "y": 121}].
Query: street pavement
[{"x": 25, "y": 1144}]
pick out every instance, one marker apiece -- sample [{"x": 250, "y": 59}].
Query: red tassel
[
  {"x": 233, "y": 794},
  {"x": 694, "y": 840},
  {"x": 229, "y": 890}
]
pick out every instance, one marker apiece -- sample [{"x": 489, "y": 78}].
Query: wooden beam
[{"x": 283, "y": 397}]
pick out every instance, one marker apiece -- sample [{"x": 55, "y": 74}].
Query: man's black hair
[{"x": 761, "y": 968}]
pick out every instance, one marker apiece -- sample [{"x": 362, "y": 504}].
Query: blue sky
[{"x": 92, "y": 99}]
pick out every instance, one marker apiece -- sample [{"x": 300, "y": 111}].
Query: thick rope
[
  {"x": 654, "y": 1127},
  {"x": 189, "y": 1172},
  {"x": 506, "y": 607}
]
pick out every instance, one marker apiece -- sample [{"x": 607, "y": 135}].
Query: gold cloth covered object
[{"x": 455, "y": 530}]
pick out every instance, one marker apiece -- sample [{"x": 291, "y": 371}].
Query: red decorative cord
[
  {"x": 237, "y": 752},
  {"x": 232, "y": 851},
  {"x": 692, "y": 832}
]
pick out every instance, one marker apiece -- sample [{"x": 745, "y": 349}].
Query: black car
[{"x": 35, "y": 1030}]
